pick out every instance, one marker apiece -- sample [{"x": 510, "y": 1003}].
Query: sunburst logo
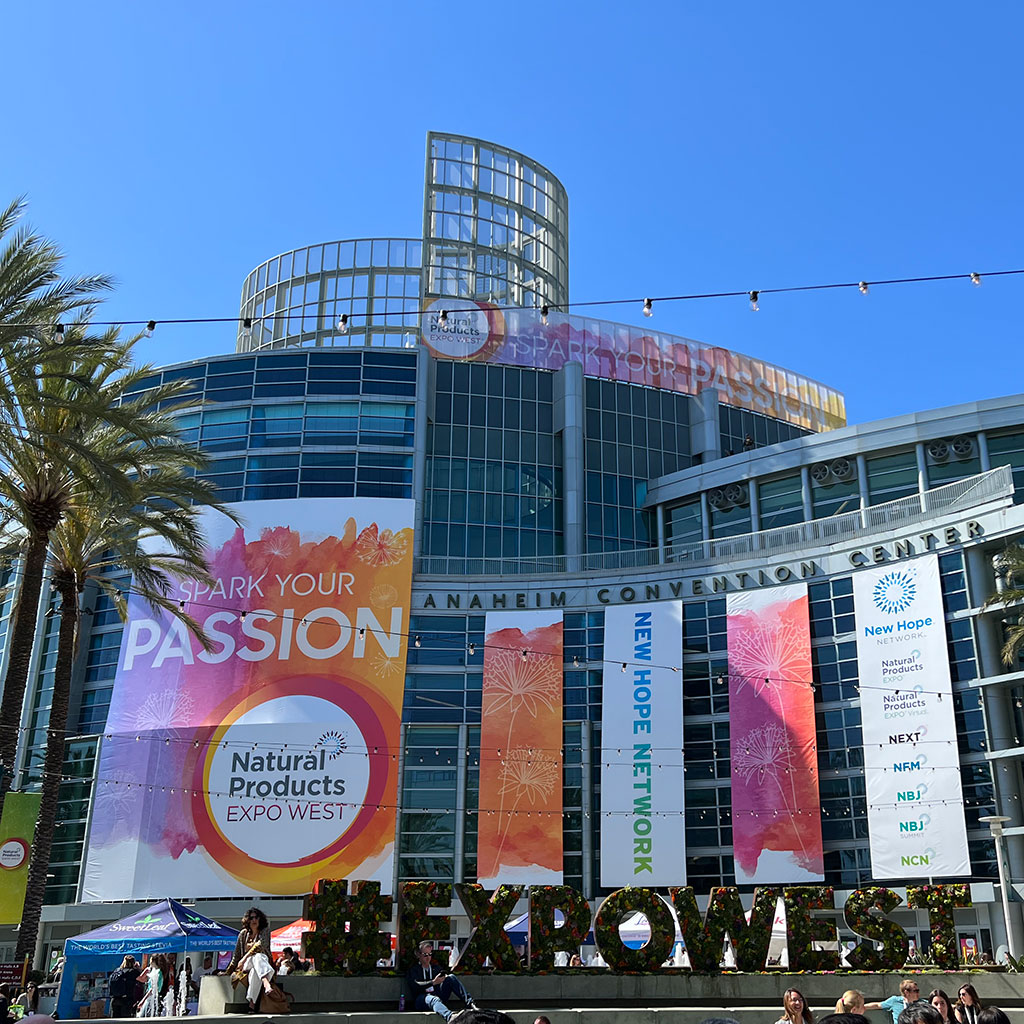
[
  {"x": 895, "y": 592},
  {"x": 333, "y": 743}
]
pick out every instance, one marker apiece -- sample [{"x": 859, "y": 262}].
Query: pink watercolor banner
[{"x": 775, "y": 804}]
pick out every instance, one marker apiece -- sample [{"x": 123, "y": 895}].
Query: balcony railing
[{"x": 953, "y": 497}]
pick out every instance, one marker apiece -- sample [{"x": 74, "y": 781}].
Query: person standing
[
  {"x": 149, "y": 1004},
  {"x": 968, "y": 1005},
  {"x": 251, "y": 959},
  {"x": 122, "y": 988},
  {"x": 909, "y": 993},
  {"x": 795, "y": 1009},
  {"x": 430, "y": 986},
  {"x": 29, "y": 999}
]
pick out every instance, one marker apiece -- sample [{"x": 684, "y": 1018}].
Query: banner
[
  {"x": 643, "y": 828},
  {"x": 270, "y": 760},
  {"x": 483, "y": 332},
  {"x": 519, "y": 824},
  {"x": 17, "y": 829},
  {"x": 775, "y": 807},
  {"x": 916, "y": 824}
]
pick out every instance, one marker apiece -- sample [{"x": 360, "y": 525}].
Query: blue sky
[{"x": 704, "y": 147}]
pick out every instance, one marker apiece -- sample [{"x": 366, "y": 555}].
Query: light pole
[{"x": 995, "y": 824}]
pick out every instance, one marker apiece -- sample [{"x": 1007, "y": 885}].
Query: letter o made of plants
[{"x": 620, "y": 905}]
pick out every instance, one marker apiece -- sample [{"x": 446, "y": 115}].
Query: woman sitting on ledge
[{"x": 251, "y": 959}]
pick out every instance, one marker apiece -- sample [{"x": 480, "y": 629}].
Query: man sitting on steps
[{"x": 430, "y": 986}]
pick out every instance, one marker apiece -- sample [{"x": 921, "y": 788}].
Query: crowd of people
[{"x": 907, "y": 1006}]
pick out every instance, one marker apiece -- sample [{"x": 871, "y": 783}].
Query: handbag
[{"x": 276, "y": 1001}]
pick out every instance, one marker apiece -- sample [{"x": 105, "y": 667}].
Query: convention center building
[{"x": 599, "y": 480}]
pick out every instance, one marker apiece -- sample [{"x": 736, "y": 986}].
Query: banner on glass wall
[
  {"x": 17, "y": 829},
  {"x": 775, "y": 807},
  {"x": 486, "y": 333},
  {"x": 519, "y": 832},
  {"x": 643, "y": 836},
  {"x": 916, "y": 821},
  {"x": 270, "y": 760}
]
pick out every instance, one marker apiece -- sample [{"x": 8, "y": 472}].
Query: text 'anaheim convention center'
[{"x": 535, "y": 597}]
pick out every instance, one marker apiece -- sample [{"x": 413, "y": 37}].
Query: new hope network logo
[{"x": 895, "y": 591}]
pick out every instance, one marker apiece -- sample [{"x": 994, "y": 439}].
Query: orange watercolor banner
[{"x": 520, "y": 805}]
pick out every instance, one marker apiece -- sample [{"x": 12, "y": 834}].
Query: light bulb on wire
[
  {"x": 975, "y": 279},
  {"x": 150, "y": 328},
  {"x": 343, "y": 323},
  {"x": 754, "y": 307},
  {"x": 648, "y": 307}
]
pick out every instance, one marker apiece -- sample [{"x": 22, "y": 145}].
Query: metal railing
[{"x": 960, "y": 494}]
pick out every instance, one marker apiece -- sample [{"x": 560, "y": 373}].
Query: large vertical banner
[
  {"x": 271, "y": 759},
  {"x": 17, "y": 828},
  {"x": 519, "y": 830},
  {"x": 916, "y": 821},
  {"x": 643, "y": 834},
  {"x": 775, "y": 806}
]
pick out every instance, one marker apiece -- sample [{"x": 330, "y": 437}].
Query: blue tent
[{"x": 165, "y": 927}]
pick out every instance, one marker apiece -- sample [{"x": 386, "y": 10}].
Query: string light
[
  {"x": 975, "y": 279},
  {"x": 753, "y": 296},
  {"x": 150, "y": 328},
  {"x": 443, "y": 318},
  {"x": 343, "y": 323},
  {"x": 544, "y": 314},
  {"x": 524, "y": 654},
  {"x": 472, "y": 648},
  {"x": 648, "y": 307},
  {"x": 247, "y": 327},
  {"x": 863, "y": 286},
  {"x": 58, "y": 332}
]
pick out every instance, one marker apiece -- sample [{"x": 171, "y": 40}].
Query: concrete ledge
[{"x": 577, "y": 992}]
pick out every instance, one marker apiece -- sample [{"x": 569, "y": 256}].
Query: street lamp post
[{"x": 995, "y": 824}]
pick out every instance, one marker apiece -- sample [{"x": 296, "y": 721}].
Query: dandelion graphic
[
  {"x": 764, "y": 751},
  {"x": 767, "y": 655},
  {"x": 385, "y": 667},
  {"x": 519, "y": 685},
  {"x": 524, "y": 774},
  {"x": 334, "y": 743},
  {"x": 383, "y": 596},
  {"x": 164, "y": 709},
  {"x": 384, "y": 548}
]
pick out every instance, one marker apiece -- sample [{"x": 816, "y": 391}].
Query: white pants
[{"x": 259, "y": 967}]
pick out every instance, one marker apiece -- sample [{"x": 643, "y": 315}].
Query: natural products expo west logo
[{"x": 895, "y": 591}]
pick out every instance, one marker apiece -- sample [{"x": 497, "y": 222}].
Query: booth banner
[
  {"x": 483, "y": 332},
  {"x": 270, "y": 760},
  {"x": 916, "y": 821},
  {"x": 643, "y": 833},
  {"x": 519, "y": 823},
  {"x": 17, "y": 828},
  {"x": 776, "y": 811}
]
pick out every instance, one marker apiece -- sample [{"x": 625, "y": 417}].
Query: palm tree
[
  {"x": 1010, "y": 566},
  {"x": 34, "y": 300},
  {"x": 156, "y": 536},
  {"x": 78, "y": 423}
]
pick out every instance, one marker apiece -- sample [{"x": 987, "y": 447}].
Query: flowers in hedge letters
[
  {"x": 704, "y": 940},
  {"x": 362, "y": 944},
  {"x": 859, "y": 919},
  {"x": 415, "y": 924},
  {"x": 751, "y": 944},
  {"x": 618, "y": 906},
  {"x": 488, "y": 913},
  {"x": 545, "y": 938},
  {"x": 802, "y": 930},
  {"x": 940, "y": 901}
]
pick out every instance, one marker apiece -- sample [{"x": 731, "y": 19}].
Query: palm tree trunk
[
  {"x": 53, "y": 769},
  {"x": 20, "y": 641}
]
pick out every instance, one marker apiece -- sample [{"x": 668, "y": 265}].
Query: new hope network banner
[
  {"x": 643, "y": 839},
  {"x": 271, "y": 760},
  {"x": 912, "y": 769}
]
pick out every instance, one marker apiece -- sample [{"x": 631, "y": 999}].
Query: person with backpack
[{"x": 122, "y": 988}]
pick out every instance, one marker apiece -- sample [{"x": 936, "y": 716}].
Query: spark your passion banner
[
  {"x": 520, "y": 805},
  {"x": 643, "y": 840},
  {"x": 911, "y": 762},
  {"x": 775, "y": 805},
  {"x": 211, "y": 759}
]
